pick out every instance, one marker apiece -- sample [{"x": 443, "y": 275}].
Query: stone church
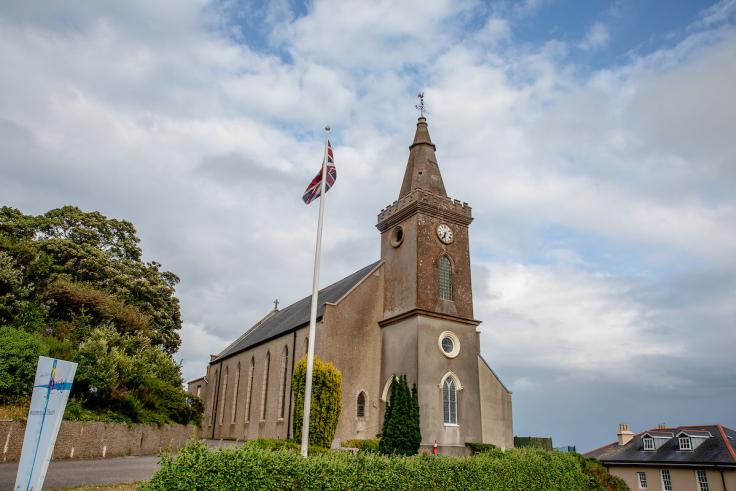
[{"x": 410, "y": 312}]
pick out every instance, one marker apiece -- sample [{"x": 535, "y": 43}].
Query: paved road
[{"x": 70, "y": 473}]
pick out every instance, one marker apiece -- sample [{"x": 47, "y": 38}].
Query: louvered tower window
[{"x": 445, "y": 270}]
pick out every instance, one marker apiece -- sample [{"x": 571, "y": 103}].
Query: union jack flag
[{"x": 313, "y": 190}]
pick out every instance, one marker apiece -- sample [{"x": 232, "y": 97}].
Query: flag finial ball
[{"x": 327, "y": 128}]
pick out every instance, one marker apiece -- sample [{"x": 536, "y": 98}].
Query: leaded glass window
[
  {"x": 264, "y": 394},
  {"x": 249, "y": 395},
  {"x": 284, "y": 374},
  {"x": 360, "y": 412},
  {"x": 449, "y": 401},
  {"x": 445, "y": 270}
]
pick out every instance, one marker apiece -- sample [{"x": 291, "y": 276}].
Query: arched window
[
  {"x": 264, "y": 395},
  {"x": 284, "y": 374},
  {"x": 214, "y": 395},
  {"x": 449, "y": 401},
  {"x": 445, "y": 277},
  {"x": 223, "y": 396},
  {"x": 249, "y": 393},
  {"x": 236, "y": 387},
  {"x": 360, "y": 407}
]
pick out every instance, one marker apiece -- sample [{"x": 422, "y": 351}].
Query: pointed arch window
[
  {"x": 264, "y": 395},
  {"x": 249, "y": 393},
  {"x": 214, "y": 397},
  {"x": 284, "y": 374},
  {"x": 445, "y": 277},
  {"x": 223, "y": 396},
  {"x": 236, "y": 388},
  {"x": 449, "y": 401},
  {"x": 360, "y": 406}
]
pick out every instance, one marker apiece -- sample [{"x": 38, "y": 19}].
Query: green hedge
[
  {"x": 196, "y": 467},
  {"x": 545, "y": 443},
  {"x": 478, "y": 447},
  {"x": 369, "y": 445}
]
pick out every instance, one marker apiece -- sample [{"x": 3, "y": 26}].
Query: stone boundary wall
[{"x": 94, "y": 440}]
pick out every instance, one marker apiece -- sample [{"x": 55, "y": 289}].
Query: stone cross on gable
[{"x": 276, "y": 304}]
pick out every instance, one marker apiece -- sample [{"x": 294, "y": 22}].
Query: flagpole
[{"x": 313, "y": 312}]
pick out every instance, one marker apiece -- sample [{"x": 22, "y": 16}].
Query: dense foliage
[
  {"x": 401, "y": 432},
  {"x": 250, "y": 467},
  {"x": 477, "y": 447},
  {"x": 326, "y": 401},
  {"x": 369, "y": 445},
  {"x": 73, "y": 285},
  {"x": 19, "y": 352},
  {"x": 545, "y": 443},
  {"x": 598, "y": 477}
]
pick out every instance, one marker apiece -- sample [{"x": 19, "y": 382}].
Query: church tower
[{"x": 428, "y": 329}]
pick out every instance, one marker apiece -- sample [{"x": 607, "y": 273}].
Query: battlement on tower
[{"x": 420, "y": 200}]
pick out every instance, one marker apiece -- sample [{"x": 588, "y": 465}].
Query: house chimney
[
  {"x": 662, "y": 426},
  {"x": 624, "y": 435}
]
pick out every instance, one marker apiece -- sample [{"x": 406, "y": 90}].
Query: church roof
[
  {"x": 422, "y": 170},
  {"x": 295, "y": 316}
]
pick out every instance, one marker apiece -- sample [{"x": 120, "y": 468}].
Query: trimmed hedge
[
  {"x": 478, "y": 447},
  {"x": 370, "y": 445},
  {"x": 196, "y": 467},
  {"x": 545, "y": 443}
]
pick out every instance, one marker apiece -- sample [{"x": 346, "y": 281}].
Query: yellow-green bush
[
  {"x": 249, "y": 467},
  {"x": 326, "y": 401}
]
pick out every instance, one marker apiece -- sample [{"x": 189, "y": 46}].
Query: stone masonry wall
[{"x": 94, "y": 440}]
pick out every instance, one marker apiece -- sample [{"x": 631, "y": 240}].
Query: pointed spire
[{"x": 422, "y": 171}]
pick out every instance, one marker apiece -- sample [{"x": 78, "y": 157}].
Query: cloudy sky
[{"x": 596, "y": 142}]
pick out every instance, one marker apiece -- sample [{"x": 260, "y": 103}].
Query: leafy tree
[
  {"x": 74, "y": 284},
  {"x": 82, "y": 268},
  {"x": 19, "y": 352},
  {"x": 401, "y": 433},
  {"x": 326, "y": 401}
]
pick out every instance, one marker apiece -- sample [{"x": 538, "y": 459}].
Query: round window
[
  {"x": 449, "y": 344},
  {"x": 397, "y": 236}
]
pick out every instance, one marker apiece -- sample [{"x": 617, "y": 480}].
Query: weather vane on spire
[{"x": 420, "y": 106}]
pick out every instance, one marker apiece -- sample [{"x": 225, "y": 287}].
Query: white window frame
[
  {"x": 455, "y": 344},
  {"x": 648, "y": 443},
  {"x": 685, "y": 443},
  {"x": 642, "y": 480},
  {"x": 666, "y": 479},
  {"x": 701, "y": 477}
]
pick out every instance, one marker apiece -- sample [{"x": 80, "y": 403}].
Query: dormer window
[
  {"x": 648, "y": 443},
  {"x": 685, "y": 443}
]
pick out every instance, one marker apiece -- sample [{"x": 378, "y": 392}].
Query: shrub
[
  {"x": 598, "y": 477},
  {"x": 326, "y": 401},
  {"x": 251, "y": 467},
  {"x": 401, "y": 434},
  {"x": 369, "y": 446},
  {"x": 545, "y": 443},
  {"x": 477, "y": 447},
  {"x": 19, "y": 352}
]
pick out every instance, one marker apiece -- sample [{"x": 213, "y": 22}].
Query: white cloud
[
  {"x": 620, "y": 183},
  {"x": 597, "y": 37}
]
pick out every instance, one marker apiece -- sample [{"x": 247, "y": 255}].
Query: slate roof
[
  {"x": 715, "y": 450},
  {"x": 295, "y": 316}
]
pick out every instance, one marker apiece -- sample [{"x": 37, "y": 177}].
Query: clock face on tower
[{"x": 444, "y": 233}]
